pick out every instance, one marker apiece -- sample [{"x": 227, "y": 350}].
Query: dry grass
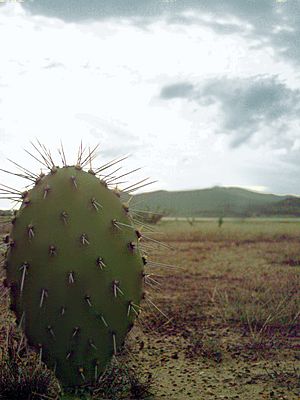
[
  {"x": 253, "y": 283},
  {"x": 234, "y": 299}
]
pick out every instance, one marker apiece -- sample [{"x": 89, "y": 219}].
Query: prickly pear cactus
[{"x": 75, "y": 272}]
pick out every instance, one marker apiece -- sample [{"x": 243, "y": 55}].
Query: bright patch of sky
[{"x": 197, "y": 97}]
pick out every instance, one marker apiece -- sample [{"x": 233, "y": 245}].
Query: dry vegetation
[
  {"x": 233, "y": 309},
  {"x": 230, "y": 327}
]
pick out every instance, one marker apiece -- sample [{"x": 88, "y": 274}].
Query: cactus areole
[{"x": 75, "y": 272}]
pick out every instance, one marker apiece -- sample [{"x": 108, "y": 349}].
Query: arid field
[{"x": 228, "y": 325}]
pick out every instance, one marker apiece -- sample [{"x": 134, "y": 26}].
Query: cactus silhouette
[{"x": 74, "y": 267}]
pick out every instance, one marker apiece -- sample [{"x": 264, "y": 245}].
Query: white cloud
[{"x": 100, "y": 81}]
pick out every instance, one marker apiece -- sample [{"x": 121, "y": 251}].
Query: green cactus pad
[{"x": 75, "y": 273}]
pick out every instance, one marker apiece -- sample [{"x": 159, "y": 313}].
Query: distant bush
[
  {"x": 150, "y": 217},
  {"x": 191, "y": 221},
  {"x": 4, "y": 213}
]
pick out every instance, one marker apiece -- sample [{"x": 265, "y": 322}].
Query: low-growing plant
[
  {"x": 152, "y": 217},
  {"x": 262, "y": 309},
  {"x": 202, "y": 345},
  {"x": 119, "y": 381}
]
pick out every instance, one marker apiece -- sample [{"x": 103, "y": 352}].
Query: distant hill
[
  {"x": 289, "y": 206},
  {"x": 216, "y": 202}
]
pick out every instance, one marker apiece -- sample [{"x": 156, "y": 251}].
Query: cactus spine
[{"x": 75, "y": 270}]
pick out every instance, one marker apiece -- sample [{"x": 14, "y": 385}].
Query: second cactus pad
[{"x": 75, "y": 273}]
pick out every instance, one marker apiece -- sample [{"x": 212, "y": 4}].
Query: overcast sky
[{"x": 201, "y": 93}]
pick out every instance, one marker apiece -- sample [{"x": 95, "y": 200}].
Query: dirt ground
[
  {"x": 221, "y": 316},
  {"x": 231, "y": 327}
]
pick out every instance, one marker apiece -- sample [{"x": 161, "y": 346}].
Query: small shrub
[
  {"x": 25, "y": 379},
  {"x": 149, "y": 216},
  {"x": 120, "y": 381}
]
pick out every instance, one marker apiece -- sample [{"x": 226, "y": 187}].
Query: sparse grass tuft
[
  {"x": 261, "y": 306},
  {"x": 120, "y": 381},
  {"x": 203, "y": 345},
  {"x": 22, "y": 376},
  {"x": 22, "y": 379}
]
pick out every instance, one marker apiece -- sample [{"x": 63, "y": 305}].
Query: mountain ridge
[{"x": 218, "y": 201}]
